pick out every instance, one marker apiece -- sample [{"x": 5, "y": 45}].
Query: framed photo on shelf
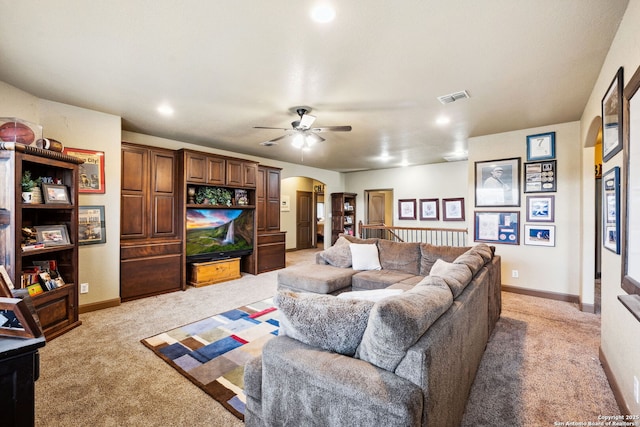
[
  {"x": 539, "y": 235},
  {"x": 540, "y": 177},
  {"x": 541, "y": 146},
  {"x": 56, "y": 193},
  {"x": 91, "y": 225},
  {"x": 91, "y": 172},
  {"x": 52, "y": 235},
  {"x": 540, "y": 208},
  {"x": 407, "y": 209},
  {"x": 429, "y": 209},
  {"x": 612, "y": 117},
  {"x": 497, "y": 182},
  {"x": 497, "y": 227},
  {"x": 611, "y": 209},
  {"x": 453, "y": 209},
  {"x": 16, "y": 319}
]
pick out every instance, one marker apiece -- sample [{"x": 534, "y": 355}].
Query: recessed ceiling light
[
  {"x": 443, "y": 120},
  {"x": 323, "y": 13},
  {"x": 165, "y": 110}
]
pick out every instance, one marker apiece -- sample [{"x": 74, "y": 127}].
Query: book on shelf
[{"x": 32, "y": 246}]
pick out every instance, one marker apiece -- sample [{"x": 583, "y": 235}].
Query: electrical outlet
[
  {"x": 515, "y": 274},
  {"x": 636, "y": 389},
  {"x": 84, "y": 288}
]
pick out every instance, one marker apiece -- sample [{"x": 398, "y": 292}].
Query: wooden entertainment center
[{"x": 158, "y": 186}]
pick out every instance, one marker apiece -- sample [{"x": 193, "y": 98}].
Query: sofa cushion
[
  {"x": 456, "y": 276},
  {"x": 338, "y": 255},
  {"x": 400, "y": 256},
  {"x": 353, "y": 239},
  {"x": 471, "y": 260},
  {"x": 364, "y": 257},
  {"x": 396, "y": 323},
  {"x": 323, "y": 321},
  {"x": 429, "y": 254},
  {"x": 318, "y": 278},
  {"x": 377, "y": 279},
  {"x": 484, "y": 250}
]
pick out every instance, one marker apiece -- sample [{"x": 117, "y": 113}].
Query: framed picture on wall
[
  {"x": 91, "y": 172},
  {"x": 497, "y": 182},
  {"x": 429, "y": 209},
  {"x": 611, "y": 209},
  {"x": 91, "y": 225},
  {"x": 541, "y": 146},
  {"x": 540, "y": 208},
  {"x": 497, "y": 227},
  {"x": 407, "y": 209},
  {"x": 539, "y": 235},
  {"x": 540, "y": 177},
  {"x": 453, "y": 209},
  {"x": 612, "y": 117}
]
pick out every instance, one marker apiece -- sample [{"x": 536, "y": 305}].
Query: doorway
[
  {"x": 305, "y": 220},
  {"x": 379, "y": 209}
]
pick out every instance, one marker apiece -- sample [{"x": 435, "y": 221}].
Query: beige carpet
[{"x": 541, "y": 365}]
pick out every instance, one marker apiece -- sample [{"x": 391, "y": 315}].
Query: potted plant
[
  {"x": 213, "y": 196},
  {"x": 28, "y": 186}
]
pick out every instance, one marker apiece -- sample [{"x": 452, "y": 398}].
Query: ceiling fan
[{"x": 304, "y": 135}]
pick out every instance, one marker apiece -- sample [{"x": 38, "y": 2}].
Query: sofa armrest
[{"x": 303, "y": 385}]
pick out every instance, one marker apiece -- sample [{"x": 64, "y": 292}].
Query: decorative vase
[
  {"x": 191, "y": 193},
  {"x": 27, "y": 197}
]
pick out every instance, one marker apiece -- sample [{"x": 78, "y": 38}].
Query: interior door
[
  {"x": 376, "y": 212},
  {"x": 304, "y": 220}
]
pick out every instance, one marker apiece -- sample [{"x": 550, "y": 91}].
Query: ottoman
[{"x": 316, "y": 278}]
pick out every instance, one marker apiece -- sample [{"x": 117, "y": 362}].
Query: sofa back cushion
[
  {"x": 456, "y": 276},
  {"x": 365, "y": 257},
  {"x": 429, "y": 254},
  {"x": 400, "y": 256},
  {"x": 323, "y": 320},
  {"x": 397, "y": 322}
]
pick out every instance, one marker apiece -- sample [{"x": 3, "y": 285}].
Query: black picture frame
[
  {"x": 91, "y": 225},
  {"x": 612, "y": 117},
  {"x": 495, "y": 188},
  {"x": 541, "y": 177},
  {"x": 611, "y": 210},
  {"x": 497, "y": 227},
  {"x": 52, "y": 235}
]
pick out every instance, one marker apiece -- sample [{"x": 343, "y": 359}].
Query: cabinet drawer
[{"x": 264, "y": 239}]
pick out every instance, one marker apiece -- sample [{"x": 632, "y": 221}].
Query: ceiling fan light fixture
[{"x": 298, "y": 141}]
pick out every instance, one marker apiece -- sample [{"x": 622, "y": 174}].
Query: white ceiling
[{"x": 226, "y": 66}]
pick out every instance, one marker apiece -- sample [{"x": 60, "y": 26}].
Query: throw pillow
[
  {"x": 338, "y": 255},
  {"x": 364, "y": 257},
  {"x": 396, "y": 323},
  {"x": 372, "y": 295},
  {"x": 456, "y": 276},
  {"x": 323, "y": 320}
]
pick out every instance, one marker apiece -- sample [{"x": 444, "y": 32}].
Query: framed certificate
[{"x": 541, "y": 146}]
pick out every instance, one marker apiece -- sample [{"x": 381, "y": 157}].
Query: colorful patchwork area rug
[{"x": 212, "y": 352}]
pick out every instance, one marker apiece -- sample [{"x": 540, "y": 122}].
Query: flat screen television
[{"x": 218, "y": 233}]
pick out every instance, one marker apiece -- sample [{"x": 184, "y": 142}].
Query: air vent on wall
[{"x": 452, "y": 97}]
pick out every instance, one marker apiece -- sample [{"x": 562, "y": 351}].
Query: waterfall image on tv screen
[{"x": 212, "y": 232}]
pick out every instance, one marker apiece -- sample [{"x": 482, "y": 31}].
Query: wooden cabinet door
[
  {"x": 234, "y": 173},
  {"x": 134, "y": 202},
  {"x": 196, "y": 167},
  {"x": 163, "y": 194},
  {"x": 261, "y": 207},
  {"x": 216, "y": 171},
  {"x": 272, "y": 202},
  {"x": 249, "y": 172}
]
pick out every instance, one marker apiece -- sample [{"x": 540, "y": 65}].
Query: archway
[{"x": 303, "y": 200}]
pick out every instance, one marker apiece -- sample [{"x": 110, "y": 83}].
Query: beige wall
[{"x": 620, "y": 330}]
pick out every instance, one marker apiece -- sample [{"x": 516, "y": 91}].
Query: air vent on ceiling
[{"x": 452, "y": 97}]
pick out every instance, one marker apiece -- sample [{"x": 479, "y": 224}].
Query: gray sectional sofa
[{"x": 403, "y": 360}]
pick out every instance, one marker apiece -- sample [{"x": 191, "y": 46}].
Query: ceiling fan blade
[
  {"x": 332, "y": 129},
  {"x": 267, "y": 127},
  {"x": 306, "y": 121},
  {"x": 273, "y": 141}
]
